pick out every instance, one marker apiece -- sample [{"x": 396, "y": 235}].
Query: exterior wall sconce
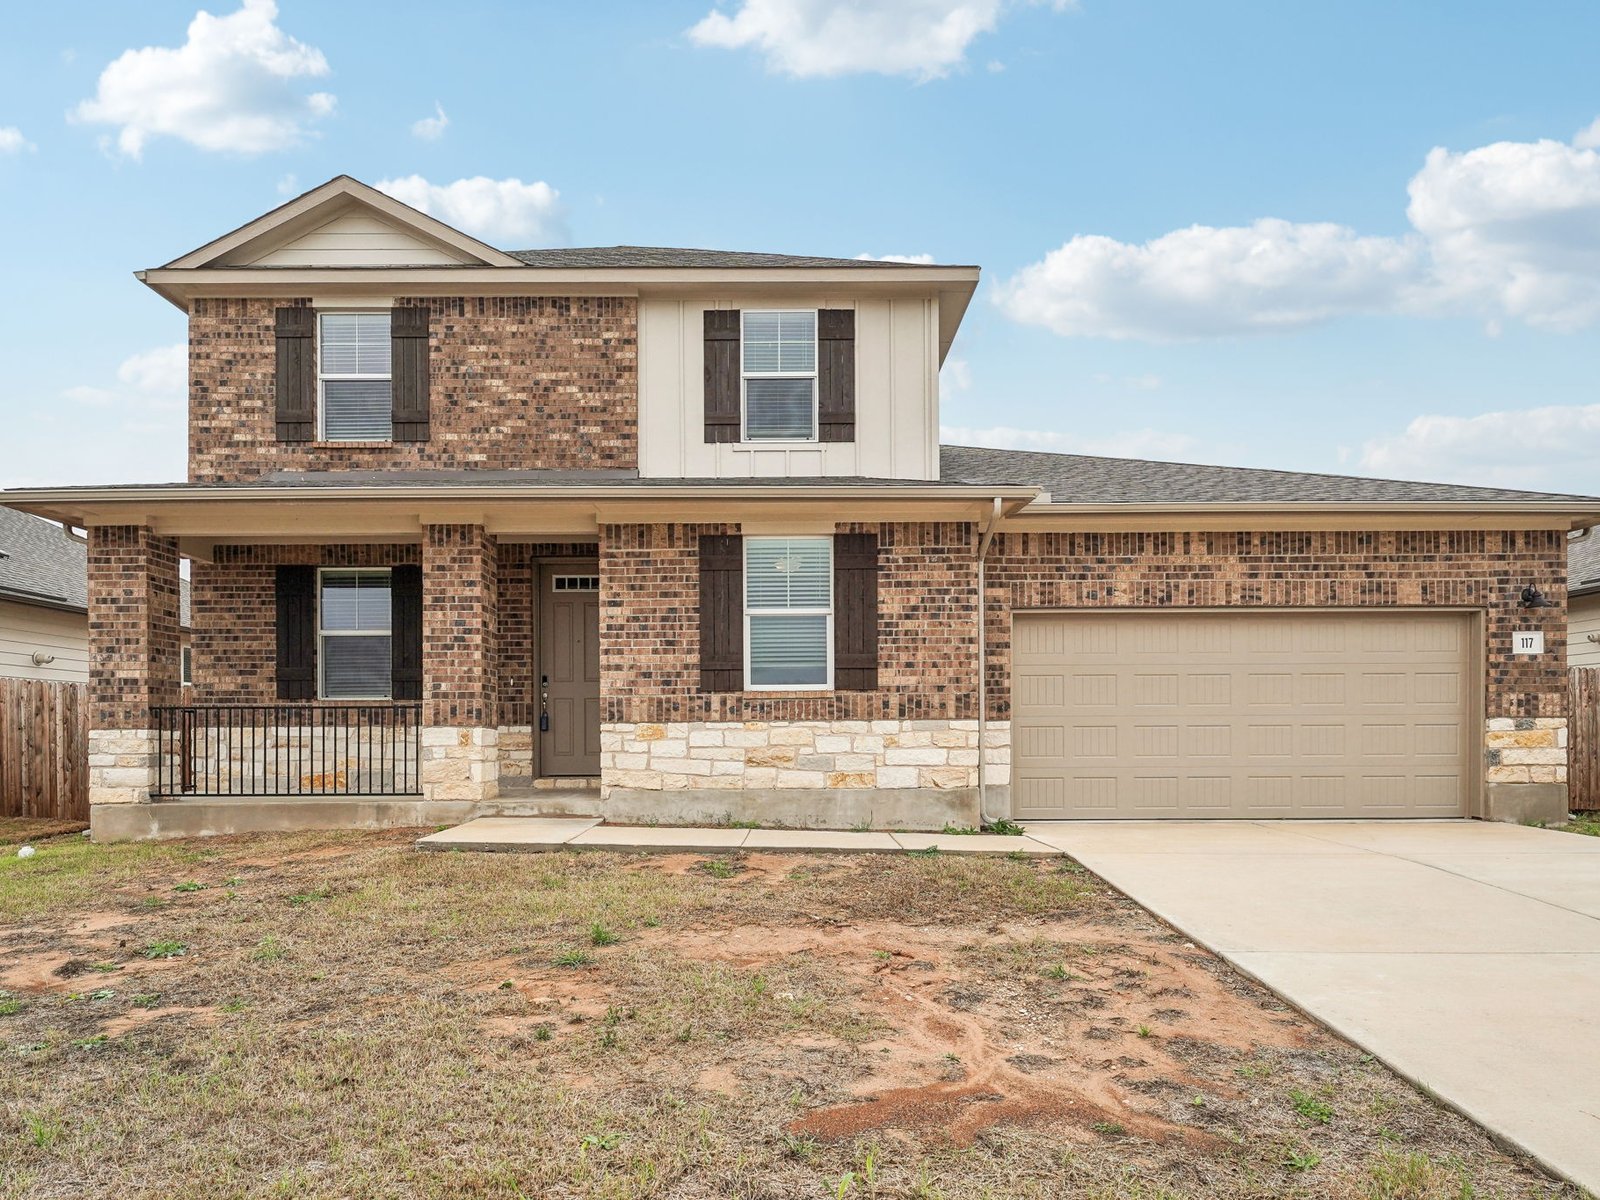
[
  {"x": 41, "y": 659},
  {"x": 1532, "y": 597}
]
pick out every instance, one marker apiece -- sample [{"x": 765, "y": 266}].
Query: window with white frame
[
  {"x": 354, "y": 635},
  {"x": 186, "y": 667},
  {"x": 779, "y": 351},
  {"x": 353, "y": 376},
  {"x": 788, "y": 612}
]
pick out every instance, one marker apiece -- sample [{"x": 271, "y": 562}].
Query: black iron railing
[{"x": 288, "y": 750}]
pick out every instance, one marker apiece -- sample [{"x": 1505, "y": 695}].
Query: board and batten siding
[
  {"x": 1583, "y": 623},
  {"x": 896, "y": 394},
  {"x": 27, "y": 629}
]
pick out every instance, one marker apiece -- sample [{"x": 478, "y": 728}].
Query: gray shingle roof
[
  {"x": 624, "y": 257},
  {"x": 1086, "y": 479},
  {"x": 1583, "y": 563},
  {"x": 43, "y": 561}
]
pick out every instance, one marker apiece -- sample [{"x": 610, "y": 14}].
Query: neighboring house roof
[
  {"x": 1583, "y": 564},
  {"x": 624, "y": 257},
  {"x": 1087, "y": 479},
  {"x": 41, "y": 563}
]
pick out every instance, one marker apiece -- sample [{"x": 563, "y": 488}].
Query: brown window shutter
[
  {"x": 405, "y": 628},
  {"x": 297, "y": 633},
  {"x": 721, "y": 613},
  {"x": 722, "y": 375},
  {"x": 836, "y": 375},
  {"x": 408, "y": 333},
  {"x": 855, "y": 612},
  {"x": 297, "y": 374}
]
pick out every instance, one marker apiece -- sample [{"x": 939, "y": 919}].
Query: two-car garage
[{"x": 1244, "y": 714}]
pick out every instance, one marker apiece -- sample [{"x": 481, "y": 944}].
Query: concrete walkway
[
  {"x": 560, "y": 833},
  {"x": 1464, "y": 954}
]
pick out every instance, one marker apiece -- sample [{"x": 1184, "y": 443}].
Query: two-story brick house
[{"x": 671, "y": 531}]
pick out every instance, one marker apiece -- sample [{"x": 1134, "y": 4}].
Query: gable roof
[
  {"x": 580, "y": 257},
  {"x": 341, "y": 194},
  {"x": 1089, "y": 479},
  {"x": 43, "y": 563},
  {"x": 1583, "y": 564}
]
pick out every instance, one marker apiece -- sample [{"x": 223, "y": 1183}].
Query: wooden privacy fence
[
  {"x": 1583, "y": 740},
  {"x": 44, "y": 749}
]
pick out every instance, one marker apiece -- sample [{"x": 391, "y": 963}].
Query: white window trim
[
  {"x": 323, "y": 634},
  {"x": 813, "y": 375},
  {"x": 322, "y": 379},
  {"x": 744, "y": 550},
  {"x": 186, "y": 666}
]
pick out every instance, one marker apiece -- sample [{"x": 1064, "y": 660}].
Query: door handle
[{"x": 544, "y": 704}]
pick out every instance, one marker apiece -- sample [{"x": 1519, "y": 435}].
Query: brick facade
[
  {"x": 233, "y": 618},
  {"x": 516, "y": 382},
  {"x": 650, "y": 637},
  {"x": 1484, "y": 569},
  {"x": 460, "y": 656},
  {"x": 135, "y": 657}
]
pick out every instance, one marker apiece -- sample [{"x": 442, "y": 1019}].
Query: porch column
[
  {"x": 460, "y": 664},
  {"x": 134, "y": 656}
]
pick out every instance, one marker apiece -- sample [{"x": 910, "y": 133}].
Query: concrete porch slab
[
  {"x": 662, "y": 837},
  {"x": 509, "y": 833},
  {"x": 973, "y": 843},
  {"x": 818, "y": 839}
]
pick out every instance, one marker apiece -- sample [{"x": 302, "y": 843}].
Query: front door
[{"x": 568, "y": 713}]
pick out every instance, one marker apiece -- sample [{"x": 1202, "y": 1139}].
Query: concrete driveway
[{"x": 1464, "y": 954}]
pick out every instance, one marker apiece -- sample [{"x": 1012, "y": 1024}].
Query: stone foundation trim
[
  {"x": 807, "y": 756},
  {"x": 791, "y": 808},
  {"x": 122, "y": 766},
  {"x": 460, "y": 762},
  {"x": 1525, "y": 750}
]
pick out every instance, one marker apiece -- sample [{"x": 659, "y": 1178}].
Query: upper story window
[
  {"x": 780, "y": 375},
  {"x": 353, "y": 376},
  {"x": 788, "y": 607},
  {"x": 355, "y": 632}
]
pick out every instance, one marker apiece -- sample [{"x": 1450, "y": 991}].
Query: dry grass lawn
[{"x": 341, "y": 1015}]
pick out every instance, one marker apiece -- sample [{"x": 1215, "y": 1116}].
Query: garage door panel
[{"x": 1242, "y": 715}]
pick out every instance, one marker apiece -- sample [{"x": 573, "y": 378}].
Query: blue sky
[{"x": 1194, "y": 219}]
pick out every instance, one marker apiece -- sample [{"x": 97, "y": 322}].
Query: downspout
[{"x": 985, "y": 538}]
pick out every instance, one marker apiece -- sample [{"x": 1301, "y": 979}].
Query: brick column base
[
  {"x": 460, "y": 762},
  {"x": 122, "y": 766}
]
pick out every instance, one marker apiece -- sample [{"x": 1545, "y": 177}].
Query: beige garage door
[{"x": 1242, "y": 714}]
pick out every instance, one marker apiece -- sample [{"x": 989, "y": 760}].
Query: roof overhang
[
  {"x": 1191, "y": 516},
  {"x": 37, "y": 600}
]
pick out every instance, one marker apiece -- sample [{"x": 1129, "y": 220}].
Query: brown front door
[{"x": 568, "y": 712}]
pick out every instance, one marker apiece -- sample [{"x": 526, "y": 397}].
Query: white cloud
[
  {"x": 1508, "y": 231},
  {"x": 955, "y": 375},
  {"x": 151, "y": 380},
  {"x": 922, "y": 260},
  {"x": 1132, "y": 443},
  {"x": 289, "y": 185},
  {"x": 431, "y": 129},
  {"x": 1588, "y": 138},
  {"x": 923, "y": 39},
  {"x": 1205, "y": 282},
  {"x": 232, "y": 86},
  {"x": 1554, "y": 448},
  {"x": 506, "y": 210},
  {"x": 12, "y": 141}
]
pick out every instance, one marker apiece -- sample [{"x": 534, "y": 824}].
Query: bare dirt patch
[{"x": 351, "y": 1018}]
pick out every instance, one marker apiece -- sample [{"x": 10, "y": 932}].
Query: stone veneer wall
[
  {"x": 516, "y": 382},
  {"x": 835, "y": 755},
  {"x": 1526, "y": 750}
]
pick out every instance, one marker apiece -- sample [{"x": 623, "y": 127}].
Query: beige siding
[
  {"x": 897, "y": 394},
  {"x": 358, "y": 240},
  {"x": 26, "y": 629},
  {"x": 1583, "y": 632}
]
